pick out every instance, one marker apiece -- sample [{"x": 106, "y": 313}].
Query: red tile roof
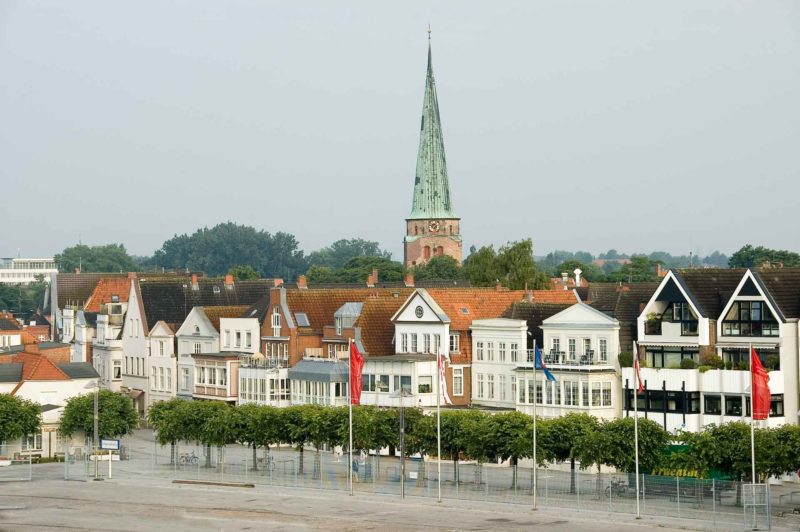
[
  {"x": 104, "y": 290},
  {"x": 377, "y": 329},
  {"x": 320, "y": 305},
  {"x": 39, "y": 368},
  {"x": 215, "y": 313}
]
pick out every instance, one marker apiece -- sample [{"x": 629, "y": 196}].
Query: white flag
[{"x": 442, "y": 380}]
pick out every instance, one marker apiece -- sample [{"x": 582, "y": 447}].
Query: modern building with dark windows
[{"x": 695, "y": 336}]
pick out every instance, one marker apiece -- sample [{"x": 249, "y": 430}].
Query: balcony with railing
[
  {"x": 586, "y": 358},
  {"x": 260, "y": 361}
]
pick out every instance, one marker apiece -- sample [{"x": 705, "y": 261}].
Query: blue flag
[{"x": 540, "y": 365}]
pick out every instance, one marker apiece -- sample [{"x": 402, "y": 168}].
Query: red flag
[
  {"x": 356, "y": 365},
  {"x": 760, "y": 389},
  {"x": 640, "y": 384}
]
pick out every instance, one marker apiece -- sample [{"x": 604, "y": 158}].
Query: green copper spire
[{"x": 431, "y": 188}]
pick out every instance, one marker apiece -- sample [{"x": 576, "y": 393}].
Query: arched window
[
  {"x": 440, "y": 251},
  {"x": 427, "y": 252}
]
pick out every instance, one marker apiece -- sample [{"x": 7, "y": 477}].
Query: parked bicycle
[
  {"x": 188, "y": 458},
  {"x": 619, "y": 488}
]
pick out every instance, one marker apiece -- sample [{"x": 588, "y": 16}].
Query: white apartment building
[
  {"x": 24, "y": 271},
  {"x": 498, "y": 348}
]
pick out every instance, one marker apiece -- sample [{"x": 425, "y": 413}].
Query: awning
[
  {"x": 744, "y": 347},
  {"x": 320, "y": 371},
  {"x": 668, "y": 344}
]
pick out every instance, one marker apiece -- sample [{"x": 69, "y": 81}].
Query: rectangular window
[
  {"x": 153, "y": 379},
  {"x": 238, "y": 338},
  {"x": 197, "y": 347},
  {"x": 227, "y": 338},
  {"x": 514, "y": 351},
  {"x": 557, "y": 393},
  {"x": 570, "y": 393},
  {"x": 531, "y": 386},
  {"x": 222, "y": 376},
  {"x": 522, "y": 391},
  {"x": 585, "y": 393},
  {"x": 382, "y": 384},
  {"x": 502, "y": 385},
  {"x": 603, "y": 350},
  {"x": 501, "y": 351},
  {"x": 712, "y": 404},
  {"x": 455, "y": 345},
  {"x": 405, "y": 383},
  {"x": 480, "y": 385},
  {"x": 437, "y": 343},
  {"x": 572, "y": 348},
  {"x": 117, "y": 370},
  {"x": 548, "y": 390},
  {"x": 539, "y": 394},
  {"x": 596, "y": 394},
  {"x": 248, "y": 342},
  {"x": 404, "y": 343},
  {"x": 733, "y": 405},
  {"x": 426, "y": 343},
  {"x": 161, "y": 348},
  {"x": 212, "y": 376},
  {"x": 513, "y": 387},
  {"x": 556, "y": 345},
  {"x": 490, "y": 386},
  {"x": 339, "y": 325},
  {"x": 425, "y": 384},
  {"x": 587, "y": 345},
  {"x": 458, "y": 381},
  {"x": 490, "y": 351},
  {"x": 161, "y": 379},
  {"x": 776, "y": 405},
  {"x": 184, "y": 378},
  {"x": 169, "y": 380},
  {"x": 201, "y": 375},
  {"x": 414, "y": 343},
  {"x": 479, "y": 350},
  {"x": 607, "y": 393}
]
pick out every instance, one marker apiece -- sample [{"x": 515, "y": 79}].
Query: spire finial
[{"x": 429, "y": 32}]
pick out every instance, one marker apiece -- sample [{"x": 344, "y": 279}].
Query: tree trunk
[
  {"x": 455, "y": 470},
  {"x": 317, "y": 466},
  {"x": 421, "y": 472},
  {"x": 598, "y": 485},
  {"x": 513, "y": 473},
  {"x": 208, "y": 455},
  {"x": 572, "y": 475},
  {"x": 255, "y": 457},
  {"x": 172, "y": 453},
  {"x": 300, "y": 461}
]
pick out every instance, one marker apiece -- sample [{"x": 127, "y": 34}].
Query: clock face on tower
[{"x": 433, "y": 226}]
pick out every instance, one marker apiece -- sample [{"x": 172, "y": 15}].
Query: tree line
[{"x": 234, "y": 248}]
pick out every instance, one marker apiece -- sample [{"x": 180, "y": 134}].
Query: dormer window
[
  {"x": 681, "y": 312},
  {"x": 338, "y": 323},
  {"x": 749, "y": 318}
]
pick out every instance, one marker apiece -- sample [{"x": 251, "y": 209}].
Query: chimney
[
  {"x": 497, "y": 285},
  {"x": 564, "y": 279},
  {"x": 131, "y": 275},
  {"x": 660, "y": 271},
  {"x": 577, "y": 272},
  {"x": 77, "y": 270},
  {"x": 277, "y": 282},
  {"x": 229, "y": 282},
  {"x": 528, "y": 296},
  {"x": 195, "y": 286},
  {"x": 302, "y": 282},
  {"x": 409, "y": 280},
  {"x": 372, "y": 279}
]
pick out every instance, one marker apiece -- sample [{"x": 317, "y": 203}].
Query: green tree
[
  {"x": 321, "y": 274},
  {"x": 297, "y": 431},
  {"x": 261, "y": 427},
  {"x": 107, "y": 258},
  {"x": 168, "y": 420},
  {"x": 515, "y": 261},
  {"x": 439, "y": 267},
  {"x": 243, "y": 273},
  {"x": 753, "y": 257},
  {"x": 563, "y": 438},
  {"x": 589, "y": 271},
  {"x": 481, "y": 267},
  {"x": 357, "y": 269},
  {"x": 639, "y": 269},
  {"x": 18, "y": 417},
  {"x": 23, "y": 300},
  {"x": 116, "y": 417},
  {"x": 227, "y": 245},
  {"x": 455, "y": 437},
  {"x": 223, "y": 424},
  {"x": 512, "y": 433},
  {"x": 337, "y": 254},
  {"x": 620, "y": 443}
]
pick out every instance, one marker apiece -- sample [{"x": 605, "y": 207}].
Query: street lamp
[
  {"x": 402, "y": 393},
  {"x": 96, "y": 430}
]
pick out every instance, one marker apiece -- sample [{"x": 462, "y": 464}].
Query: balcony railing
[
  {"x": 263, "y": 362},
  {"x": 561, "y": 358}
]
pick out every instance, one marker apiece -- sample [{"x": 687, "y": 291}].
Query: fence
[
  {"x": 720, "y": 503},
  {"x": 15, "y": 463}
]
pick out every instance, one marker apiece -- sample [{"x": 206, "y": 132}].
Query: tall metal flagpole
[
  {"x": 752, "y": 423},
  {"x": 350, "y": 404},
  {"x": 534, "y": 423},
  {"x": 439, "y": 360},
  {"x": 636, "y": 422}
]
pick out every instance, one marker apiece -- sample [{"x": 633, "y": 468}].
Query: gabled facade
[
  {"x": 741, "y": 308},
  {"x": 162, "y": 363},
  {"x": 135, "y": 354},
  {"x": 195, "y": 336}
]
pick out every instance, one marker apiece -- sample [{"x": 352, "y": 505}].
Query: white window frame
[
  {"x": 455, "y": 343},
  {"x": 458, "y": 381}
]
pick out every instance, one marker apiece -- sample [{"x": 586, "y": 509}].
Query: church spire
[{"x": 431, "y": 187}]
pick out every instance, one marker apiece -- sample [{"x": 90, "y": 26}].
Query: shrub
[
  {"x": 729, "y": 364},
  {"x": 673, "y": 365},
  {"x": 712, "y": 359},
  {"x": 688, "y": 363},
  {"x": 742, "y": 366},
  {"x": 703, "y": 368},
  {"x": 625, "y": 360},
  {"x": 773, "y": 362}
]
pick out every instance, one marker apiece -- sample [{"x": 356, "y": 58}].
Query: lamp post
[
  {"x": 401, "y": 393},
  {"x": 95, "y": 427}
]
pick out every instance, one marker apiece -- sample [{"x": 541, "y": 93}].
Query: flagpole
[
  {"x": 350, "y": 405},
  {"x": 636, "y": 422},
  {"x": 752, "y": 423},
  {"x": 439, "y": 360},
  {"x": 534, "y": 423}
]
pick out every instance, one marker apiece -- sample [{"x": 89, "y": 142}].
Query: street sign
[{"x": 109, "y": 445}]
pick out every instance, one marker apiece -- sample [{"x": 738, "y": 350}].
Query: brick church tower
[{"x": 432, "y": 228}]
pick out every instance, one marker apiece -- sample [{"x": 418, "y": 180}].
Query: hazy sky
[{"x": 639, "y": 125}]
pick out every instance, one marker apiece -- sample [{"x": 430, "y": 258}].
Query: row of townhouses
[{"x": 272, "y": 343}]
